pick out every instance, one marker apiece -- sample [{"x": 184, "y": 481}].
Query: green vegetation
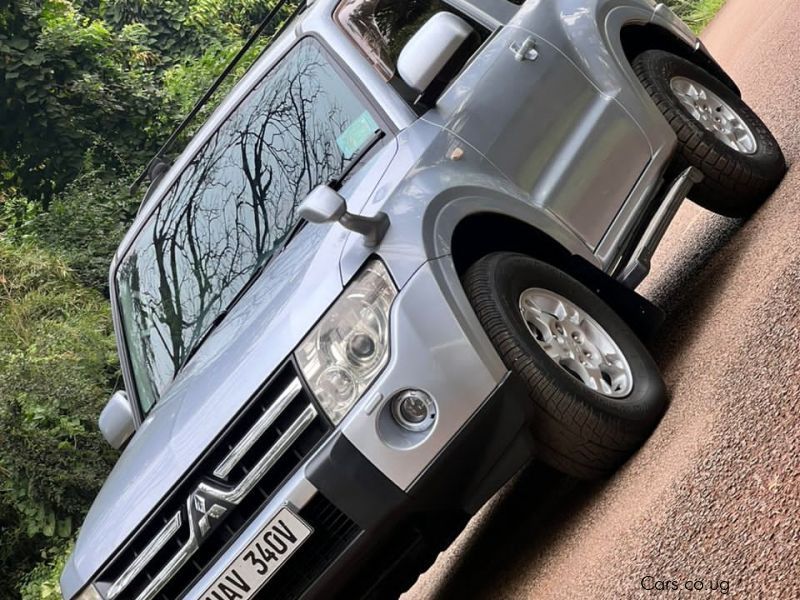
[
  {"x": 697, "y": 13},
  {"x": 58, "y": 362},
  {"x": 88, "y": 91}
]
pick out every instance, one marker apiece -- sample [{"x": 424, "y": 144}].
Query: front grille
[
  {"x": 231, "y": 483},
  {"x": 333, "y": 533}
]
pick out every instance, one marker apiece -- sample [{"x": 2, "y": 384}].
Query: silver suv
[{"x": 395, "y": 265}]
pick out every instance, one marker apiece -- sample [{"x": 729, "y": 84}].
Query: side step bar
[{"x": 632, "y": 274}]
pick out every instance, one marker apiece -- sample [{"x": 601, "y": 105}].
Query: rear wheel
[
  {"x": 717, "y": 133},
  {"x": 597, "y": 392}
]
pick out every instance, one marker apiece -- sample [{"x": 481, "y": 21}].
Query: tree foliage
[
  {"x": 83, "y": 87},
  {"x": 88, "y": 91},
  {"x": 71, "y": 95}
]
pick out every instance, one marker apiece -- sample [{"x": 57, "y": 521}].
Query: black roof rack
[{"x": 155, "y": 168}]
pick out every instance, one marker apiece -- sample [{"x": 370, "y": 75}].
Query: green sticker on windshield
[{"x": 356, "y": 135}]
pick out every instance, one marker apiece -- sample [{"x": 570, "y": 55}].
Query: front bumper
[
  {"x": 373, "y": 504},
  {"x": 401, "y": 532},
  {"x": 368, "y": 530}
]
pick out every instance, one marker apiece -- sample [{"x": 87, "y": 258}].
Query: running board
[{"x": 639, "y": 264}]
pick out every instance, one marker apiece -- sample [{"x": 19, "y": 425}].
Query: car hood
[{"x": 227, "y": 370}]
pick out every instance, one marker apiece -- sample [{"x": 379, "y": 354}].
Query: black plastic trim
[
  {"x": 641, "y": 315},
  {"x": 346, "y": 478},
  {"x": 402, "y": 525}
]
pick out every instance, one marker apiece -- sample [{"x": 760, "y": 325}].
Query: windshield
[{"x": 232, "y": 207}]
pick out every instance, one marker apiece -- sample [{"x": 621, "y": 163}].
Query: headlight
[
  {"x": 89, "y": 594},
  {"x": 347, "y": 350}
]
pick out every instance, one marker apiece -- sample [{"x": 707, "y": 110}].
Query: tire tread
[
  {"x": 571, "y": 435},
  {"x": 735, "y": 184}
]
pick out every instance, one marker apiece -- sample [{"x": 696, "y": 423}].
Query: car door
[{"x": 573, "y": 150}]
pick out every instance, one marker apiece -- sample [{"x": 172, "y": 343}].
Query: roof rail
[{"x": 158, "y": 159}]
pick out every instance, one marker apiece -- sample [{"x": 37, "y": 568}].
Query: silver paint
[{"x": 568, "y": 143}]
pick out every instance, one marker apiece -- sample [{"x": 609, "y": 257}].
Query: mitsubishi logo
[{"x": 204, "y": 512}]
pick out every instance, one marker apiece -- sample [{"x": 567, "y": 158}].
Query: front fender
[
  {"x": 663, "y": 16},
  {"x": 427, "y": 191}
]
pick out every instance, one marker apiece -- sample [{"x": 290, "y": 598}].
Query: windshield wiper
[{"x": 337, "y": 182}]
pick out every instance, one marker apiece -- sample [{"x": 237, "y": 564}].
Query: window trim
[
  {"x": 377, "y": 64},
  {"x": 350, "y": 80}
]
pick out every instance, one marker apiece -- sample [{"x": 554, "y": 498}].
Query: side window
[{"x": 381, "y": 28}]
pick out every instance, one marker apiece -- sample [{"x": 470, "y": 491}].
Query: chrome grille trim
[
  {"x": 208, "y": 501},
  {"x": 233, "y": 496},
  {"x": 265, "y": 422},
  {"x": 162, "y": 537},
  {"x": 175, "y": 563}
]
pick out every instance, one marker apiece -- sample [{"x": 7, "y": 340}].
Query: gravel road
[{"x": 713, "y": 498}]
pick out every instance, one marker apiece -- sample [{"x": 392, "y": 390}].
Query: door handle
[{"x": 525, "y": 51}]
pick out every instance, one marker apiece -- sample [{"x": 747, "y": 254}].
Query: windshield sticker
[{"x": 356, "y": 135}]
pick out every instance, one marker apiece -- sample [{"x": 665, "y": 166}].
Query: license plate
[{"x": 261, "y": 559}]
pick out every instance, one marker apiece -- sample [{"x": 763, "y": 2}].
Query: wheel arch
[
  {"x": 480, "y": 234},
  {"x": 638, "y": 37}
]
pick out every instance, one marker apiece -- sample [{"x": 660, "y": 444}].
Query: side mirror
[
  {"x": 326, "y": 205},
  {"x": 431, "y": 48},
  {"x": 323, "y": 205},
  {"x": 116, "y": 421}
]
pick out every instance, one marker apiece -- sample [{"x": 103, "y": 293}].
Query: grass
[{"x": 697, "y": 13}]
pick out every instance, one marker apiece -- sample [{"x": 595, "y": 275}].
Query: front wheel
[
  {"x": 597, "y": 392},
  {"x": 717, "y": 133}
]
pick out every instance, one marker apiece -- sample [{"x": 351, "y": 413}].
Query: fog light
[{"x": 414, "y": 410}]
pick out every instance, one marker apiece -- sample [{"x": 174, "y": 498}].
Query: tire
[
  {"x": 578, "y": 430},
  {"x": 736, "y": 181}
]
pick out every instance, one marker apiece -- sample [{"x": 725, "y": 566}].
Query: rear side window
[{"x": 381, "y": 28}]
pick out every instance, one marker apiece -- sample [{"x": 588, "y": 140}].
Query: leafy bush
[
  {"x": 71, "y": 91},
  {"x": 82, "y": 88},
  {"x": 85, "y": 225},
  {"x": 58, "y": 361},
  {"x": 16, "y": 215},
  {"x": 42, "y": 582}
]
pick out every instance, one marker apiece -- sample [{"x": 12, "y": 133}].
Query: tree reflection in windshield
[{"x": 231, "y": 207}]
